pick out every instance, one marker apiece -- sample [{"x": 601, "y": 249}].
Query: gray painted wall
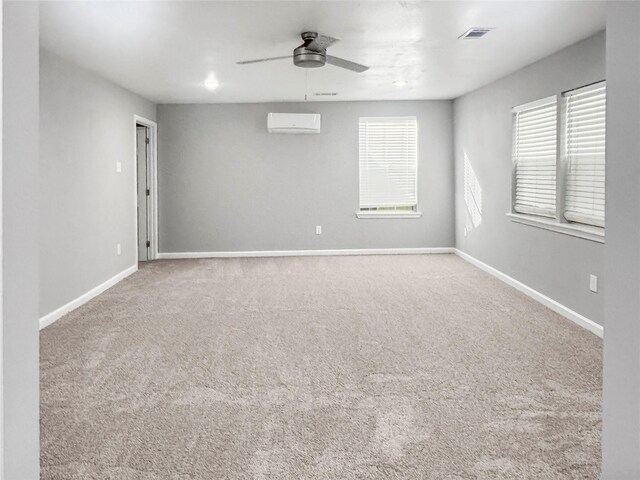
[
  {"x": 20, "y": 389},
  {"x": 621, "y": 402},
  {"x": 86, "y": 208},
  {"x": 554, "y": 264},
  {"x": 225, "y": 184}
]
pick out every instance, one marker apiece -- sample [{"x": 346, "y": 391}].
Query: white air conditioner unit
[{"x": 293, "y": 123}]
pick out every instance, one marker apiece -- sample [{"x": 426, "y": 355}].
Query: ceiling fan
[{"x": 313, "y": 53}]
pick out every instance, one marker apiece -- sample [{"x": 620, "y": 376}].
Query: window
[
  {"x": 534, "y": 154},
  {"x": 388, "y": 166},
  {"x": 559, "y": 173},
  {"x": 584, "y": 153}
]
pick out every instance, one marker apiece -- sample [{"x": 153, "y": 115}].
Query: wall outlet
[
  {"x": 118, "y": 167},
  {"x": 318, "y": 229},
  {"x": 118, "y": 249},
  {"x": 593, "y": 283}
]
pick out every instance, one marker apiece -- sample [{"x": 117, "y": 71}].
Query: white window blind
[
  {"x": 584, "y": 151},
  {"x": 388, "y": 162},
  {"x": 534, "y": 155}
]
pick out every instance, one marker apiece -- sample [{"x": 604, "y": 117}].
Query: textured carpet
[{"x": 371, "y": 367}]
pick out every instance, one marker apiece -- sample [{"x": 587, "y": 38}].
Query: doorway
[{"x": 145, "y": 186}]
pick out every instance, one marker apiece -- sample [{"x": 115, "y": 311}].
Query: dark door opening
[{"x": 142, "y": 157}]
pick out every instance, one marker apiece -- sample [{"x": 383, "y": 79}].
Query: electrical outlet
[
  {"x": 593, "y": 283},
  {"x": 118, "y": 249},
  {"x": 118, "y": 167},
  {"x": 318, "y": 229}
]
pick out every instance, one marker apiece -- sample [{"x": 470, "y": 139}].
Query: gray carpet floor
[{"x": 369, "y": 367}]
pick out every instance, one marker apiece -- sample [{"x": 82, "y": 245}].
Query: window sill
[
  {"x": 389, "y": 215},
  {"x": 595, "y": 234}
]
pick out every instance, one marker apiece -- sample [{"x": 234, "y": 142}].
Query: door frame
[{"x": 152, "y": 217}]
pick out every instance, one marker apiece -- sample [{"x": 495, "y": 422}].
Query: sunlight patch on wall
[{"x": 472, "y": 193}]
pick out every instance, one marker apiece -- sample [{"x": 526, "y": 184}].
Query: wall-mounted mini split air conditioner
[{"x": 295, "y": 123}]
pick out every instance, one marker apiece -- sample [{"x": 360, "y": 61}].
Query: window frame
[
  {"x": 565, "y": 156},
  {"x": 391, "y": 212},
  {"x": 514, "y": 113},
  {"x": 558, "y": 223}
]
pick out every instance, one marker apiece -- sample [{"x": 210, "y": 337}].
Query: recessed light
[
  {"x": 211, "y": 84},
  {"x": 401, "y": 83}
]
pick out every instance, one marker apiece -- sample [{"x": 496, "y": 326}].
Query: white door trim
[
  {"x": 152, "y": 218},
  {"x": 1, "y": 259}
]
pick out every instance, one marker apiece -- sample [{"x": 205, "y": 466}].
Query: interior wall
[
  {"x": 621, "y": 396},
  {"x": 20, "y": 383},
  {"x": 86, "y": 208},
  {"x": 226, "y": 184},
  {"x": 554, "y": 264}
]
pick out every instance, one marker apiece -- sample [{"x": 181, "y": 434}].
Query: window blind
[
  {"x": 388, "y": 162},
  {"x": 534, "y": 155},
  {"x": 585, "y": 127}
]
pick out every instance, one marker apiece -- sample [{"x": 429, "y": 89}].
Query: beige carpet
[{"x": 376, "y": 367}]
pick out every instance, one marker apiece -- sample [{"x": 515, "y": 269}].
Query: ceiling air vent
[
  {"x": 326, "y": 94},
  {"x": 474, "y": 33}
]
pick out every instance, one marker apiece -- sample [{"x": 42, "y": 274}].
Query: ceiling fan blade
[
  {"x": 341, "y": 62},
  {"x": 322, "y": 42},
  {"x": 246, "y": 62}
]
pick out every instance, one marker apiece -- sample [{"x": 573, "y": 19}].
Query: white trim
[
  {"x": 1, "y": 254},
  {"x": 383, "y": 119},
  {"x": 391, "y": 214},
  {"x": 307, "y": 253},
  {"x": 84, "y": 298},
  {"x": 536, "y": 103},
  {"x": 595, "y": 234},
  {"x": 585, "y": 88},
  {"x": 152, "y": 219},
  {"x": 557, "y": 307}
]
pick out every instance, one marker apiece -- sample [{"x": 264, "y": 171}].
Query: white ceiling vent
[{"x": 475, "y": 33}]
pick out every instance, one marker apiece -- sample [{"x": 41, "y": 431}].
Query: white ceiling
[{"x": 164, "y": 51}]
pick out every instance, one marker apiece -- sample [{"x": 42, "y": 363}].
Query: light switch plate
[
  {"x": 118, "y": 167},
  {"x": 593, "y": 283},
  {"x": 318, "y": 229}
]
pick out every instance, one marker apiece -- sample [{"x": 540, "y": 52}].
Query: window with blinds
[
  {"x": 534, "y": 156},
  {"x": 388, "y": 163},
  {"x": 584, "y": 154}
]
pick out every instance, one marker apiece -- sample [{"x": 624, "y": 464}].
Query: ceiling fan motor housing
[{"x": 307, "y": 58}]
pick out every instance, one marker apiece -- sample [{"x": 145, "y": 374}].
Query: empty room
[{"x": 320, "y": 240}]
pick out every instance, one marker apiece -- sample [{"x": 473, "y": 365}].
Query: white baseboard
[
  {"x": 82, "y": 299},
  {"x": 557, "y": 307},
  {"x": 306, "y": 253}
]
